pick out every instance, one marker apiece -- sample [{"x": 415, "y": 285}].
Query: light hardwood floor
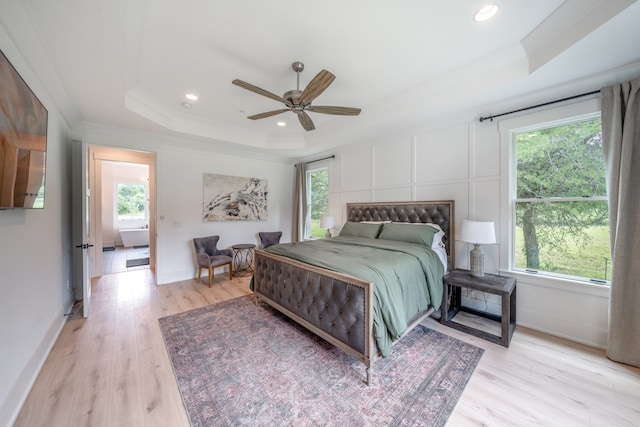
[{"x": 112, "y": 369}]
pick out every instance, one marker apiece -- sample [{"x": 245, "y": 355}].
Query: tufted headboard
[{"x": 438, "y": 212}]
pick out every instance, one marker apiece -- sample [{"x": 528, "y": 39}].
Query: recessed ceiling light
[
  {"x": 486, "y": 12},
  {"x": 191, "y": 96},
  {"x": 281, "y": 124}
]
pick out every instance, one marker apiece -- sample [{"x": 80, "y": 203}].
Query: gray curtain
[
  {"x": 621, "y": 142},
  {"x": 300, "y": 204}
]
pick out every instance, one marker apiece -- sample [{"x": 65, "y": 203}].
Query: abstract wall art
[{"x": 234, "y": 198}]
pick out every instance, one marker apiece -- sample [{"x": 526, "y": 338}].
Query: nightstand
[
  {"x": 243, "y": 259},
  {"x": 458, "y": 279}
]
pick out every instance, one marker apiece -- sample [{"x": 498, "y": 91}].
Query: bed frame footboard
[{"x": 334, "y": 306}]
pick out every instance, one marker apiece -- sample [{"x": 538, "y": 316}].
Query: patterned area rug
[{"x": 241, "y": 364}]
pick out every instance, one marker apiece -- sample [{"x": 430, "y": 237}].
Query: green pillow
[
  {"x": 360, "y": 229},
  {"x": 410, "y": 233}
]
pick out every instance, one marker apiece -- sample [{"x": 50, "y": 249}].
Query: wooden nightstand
[{"x": 490, "y": 283}]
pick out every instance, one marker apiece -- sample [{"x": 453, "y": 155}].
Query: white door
[{"x": 80, "y": 221}]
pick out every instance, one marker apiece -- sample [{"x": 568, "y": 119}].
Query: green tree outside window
[
  {"x": 318, "y": 200},
  {"x": 562, "y": 218},
  {"x": 131, "y": 201}
]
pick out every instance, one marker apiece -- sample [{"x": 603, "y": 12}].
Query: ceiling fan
[{"x": 299, "y": 101}]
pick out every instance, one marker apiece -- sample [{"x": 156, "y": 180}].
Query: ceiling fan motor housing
[{"x": 292, "y": 99}]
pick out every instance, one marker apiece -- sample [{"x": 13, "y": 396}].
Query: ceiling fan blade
[
  {"x": 320, "y": 82},
  {"x": 267, "y": 114},
  {"x": 340, "y": 111},
  {"x": 256, "y": 89},
  {"x": 306, "y": 121}
]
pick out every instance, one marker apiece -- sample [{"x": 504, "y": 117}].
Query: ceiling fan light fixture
[{"x": 486, "y": 12}]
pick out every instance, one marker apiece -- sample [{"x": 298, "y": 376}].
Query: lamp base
[
  {"x": 477, "y": 261},
  {"x": 327, "y": 235}
]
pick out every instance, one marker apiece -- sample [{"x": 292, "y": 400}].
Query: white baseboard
[
  {"x": 174, "y": 276},
  {"x": 20, "y": 389},
  {"x": 593, "y": 337},
  {"x": 163, "y": 278}
]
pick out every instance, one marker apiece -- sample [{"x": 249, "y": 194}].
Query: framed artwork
[{"x": 234, "y": 198}]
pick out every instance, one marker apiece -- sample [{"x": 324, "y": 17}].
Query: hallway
[{"x": 115, "y": 261}]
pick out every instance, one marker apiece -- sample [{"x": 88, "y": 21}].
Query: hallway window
[{"x": 131, "y": 200}]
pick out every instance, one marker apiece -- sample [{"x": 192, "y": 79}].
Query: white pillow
[{"x": 442, "y": 254}]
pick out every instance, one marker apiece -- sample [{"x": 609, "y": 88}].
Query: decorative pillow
[
  {"x": 437, "y": 238},
  {"x": 360, "y": 229},
  {"x": 421, "y": 234}
]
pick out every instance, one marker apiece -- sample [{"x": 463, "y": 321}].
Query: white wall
[
  {"x": 464, "y": 160},
  {"x": 179, "y": 178},
  {"x": 35, "y": 261}
]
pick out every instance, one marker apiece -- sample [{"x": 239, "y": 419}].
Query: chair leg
[
  {"x": 199, "y": 271},
  {"x": 210, "y": 275},
  {"x": 230, "y": 270}
]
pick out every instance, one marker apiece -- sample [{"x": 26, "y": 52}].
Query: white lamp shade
[
  {"x": 477, "y": 232},
  {"x": 327, "y": 221}
]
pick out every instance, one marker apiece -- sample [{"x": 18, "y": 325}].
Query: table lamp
[
  {"x": 477, "y": 232},
  {"x": 328, "y": 222}
]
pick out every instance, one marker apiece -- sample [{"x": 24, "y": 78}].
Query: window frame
[
  {"x": 516, "y": 200},
  {"x": 116, "y": 203},
  {"x": 507, "y": 129},
  {"x": 318, "y": 166}
]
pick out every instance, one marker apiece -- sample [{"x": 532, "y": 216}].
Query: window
[
  {"x": 561, "y": 210},
  {"x": 317, "y": 201},
  {"x": 131, "y": 201}
]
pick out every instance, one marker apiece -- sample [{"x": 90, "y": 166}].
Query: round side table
[{"x": 243, "y": 259}]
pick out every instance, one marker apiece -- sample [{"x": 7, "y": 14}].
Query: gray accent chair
[
  {"x": 209, "y": 256},
  {"x": 269, "y": 238}
]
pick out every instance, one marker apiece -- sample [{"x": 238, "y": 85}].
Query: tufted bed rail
[{"x": 336, "y": 306}]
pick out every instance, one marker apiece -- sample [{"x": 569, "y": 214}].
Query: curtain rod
[
  {"x": 482, "y": 119},
  {"x": 324, "y": 158}
]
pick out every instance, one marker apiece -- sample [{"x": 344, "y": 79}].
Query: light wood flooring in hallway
[{"x": 112, "y": 369}]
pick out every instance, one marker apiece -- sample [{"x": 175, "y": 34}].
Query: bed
[{"x": 329, "y": 285}]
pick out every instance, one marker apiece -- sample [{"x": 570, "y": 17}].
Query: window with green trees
[
  {"x": 131, "y": 201},
  {"x": 317, "y": 201},
  {"x": 561, "y": 209}
]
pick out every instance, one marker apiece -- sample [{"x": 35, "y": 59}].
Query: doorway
[{"x": 116, "y": 172}]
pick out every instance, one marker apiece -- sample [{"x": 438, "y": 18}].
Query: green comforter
[{"x": 407, "y": 277}]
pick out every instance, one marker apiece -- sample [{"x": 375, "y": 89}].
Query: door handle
[{"x": 84, "y": 246}]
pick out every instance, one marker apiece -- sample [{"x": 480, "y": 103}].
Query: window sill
[{"x": 559, "y": 283}]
